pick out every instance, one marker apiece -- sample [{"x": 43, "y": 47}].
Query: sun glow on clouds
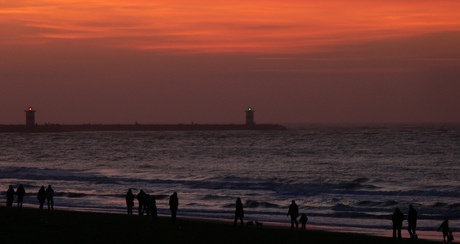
[{"x": 223, "y": 26}]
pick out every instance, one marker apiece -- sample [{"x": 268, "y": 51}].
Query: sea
[{"x": 344, "y": 177}]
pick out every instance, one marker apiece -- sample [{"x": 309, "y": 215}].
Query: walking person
[
  {"x": 446, "y": 232},
  {"x": 412, "y": 222},
  {"x": 20, "y": 192},
  {"x": 173, "y": 206},
  {"x": 129, "y": 201},
  {"x": 41, "y": 196},
  {"x": 294, "y": 213},
  {"x": 49, "y": 197},
  {"x": 10, "y": 196},
  {"x": 397, "y": 219},
  {"x": 239, "y": 212}
]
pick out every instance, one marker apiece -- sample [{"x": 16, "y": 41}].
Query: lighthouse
[
  {"x": 30, "y": 116},
  {"x": 250, "y": 116}
]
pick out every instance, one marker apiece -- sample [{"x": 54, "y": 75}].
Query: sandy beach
[{"x": 32, "y": 225}]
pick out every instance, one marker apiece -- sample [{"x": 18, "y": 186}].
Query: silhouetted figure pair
[
  {"x": 446, "y": 232},
  {"x": 173, "y": 206},
  {"x": 303, "y": 220},
  {"x": 239, "y": 212},
  {"x": 50, "y": 197},
  {"x": 412, "y": 222},
  {"x": 41, "y": 196},
  {"x": 10, "y": 196},
  {"x": 294, "y": 213},
  {"x": 397, "y": 218},
  {"x": 20, "y": 192},
  {"x": 130, "y": 201}
]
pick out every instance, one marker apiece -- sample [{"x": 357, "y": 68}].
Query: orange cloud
[{"x": 223, "y": 26}]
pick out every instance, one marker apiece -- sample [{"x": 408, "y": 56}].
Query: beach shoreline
[{"x": 28, "y": 224}]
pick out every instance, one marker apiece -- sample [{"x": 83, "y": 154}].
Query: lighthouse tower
[
  {"x": 250, "y": 116},
  {"x": 30, "y": 116}
]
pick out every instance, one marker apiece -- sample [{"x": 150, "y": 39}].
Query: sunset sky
[{"x": 182, "y": 61}]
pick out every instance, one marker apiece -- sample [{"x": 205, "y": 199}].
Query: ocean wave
[
  {"x": 454, "y": 206},
  {"x": 257, "y": 204},
  {"x": 75, "y": 194},
  {"x": 214, "y": 197},
  {"x": 390, "y": 203},
  {"x": 439, "y": 205}
]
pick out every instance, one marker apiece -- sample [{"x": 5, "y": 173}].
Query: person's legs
[
  {"x": 173, "y": 215},
  {"x": 292, "y": 223}
]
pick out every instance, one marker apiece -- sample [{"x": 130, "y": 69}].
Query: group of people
[
  {"x": 398, "y": 218},
  {"x": 293, "y": 212},
  {"x": 147, "y": 204},
  {"x": 42, "y": 196},
  {"x": 20, "y": 192}
]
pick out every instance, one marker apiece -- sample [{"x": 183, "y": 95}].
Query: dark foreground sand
[{"x": 34, "y": 226}]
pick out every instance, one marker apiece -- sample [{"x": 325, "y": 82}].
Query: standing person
[
  {"x": 239, "y": 212},
  {"x": 41, "y": 196},
  {"x": 153, "y": 208},
  {"x": 303, "y": 220},
  {"x": 412, "y": 222},
  {"x": 141, "y": 199},
  {"x": 397, "y": 218},
  {"x": 20, "y": 192},
  {"x": 9, "y": 196},
  {"x": 446, "y": 232},
  {"x": 129, "y": 201},
  {"x": 294, "y": 213},
  {"x": 49, "y": 197},
  {"x": 173, "y": 206}
]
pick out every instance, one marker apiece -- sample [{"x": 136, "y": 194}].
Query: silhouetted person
[
  {"x": 146, "y": 204},
  {"x": 49, "y": 197},
  {"x": 20, "y": 192},
  {"x": 239, "y": 212},
  {"x": 446, "y": 232},
  {"x": 141, "y": 199},
  {"x": 153, "y": 208},
  {"x": 130, "y": 201},
  {"x": 173, "y": 206},
  {"x": 411, "y": 221},
  {"x": 294, "y": 213},
  {"x": 10, "y": 196},
  {"x": 397, "y": 218},
  {"x": 303, "y": 220},
  {"x": 41, "y": 196}
]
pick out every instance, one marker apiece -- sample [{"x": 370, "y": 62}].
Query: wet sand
[{"x": 32, "y": 225}]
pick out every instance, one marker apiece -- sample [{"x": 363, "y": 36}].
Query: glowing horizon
[{"x": 328, "y": 61}]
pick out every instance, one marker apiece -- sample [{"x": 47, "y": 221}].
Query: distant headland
[{"x": 32, "y": 126}]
